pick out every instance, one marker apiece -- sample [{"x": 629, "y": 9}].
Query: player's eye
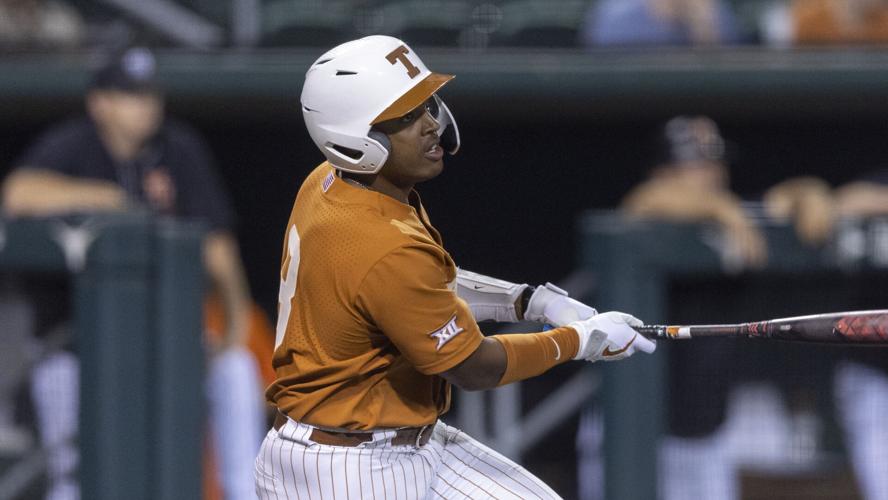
[
  {"x": 409, "y": 117},
  {"x": 431, "y": 106}
]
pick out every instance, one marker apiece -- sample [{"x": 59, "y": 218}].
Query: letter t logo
[{"x": 400, "y": 54}]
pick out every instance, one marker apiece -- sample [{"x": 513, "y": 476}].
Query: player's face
[
  {"x": 135, "y": 116},
  {"x": 416, "y": 155}
]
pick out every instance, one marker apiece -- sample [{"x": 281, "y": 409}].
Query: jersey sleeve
[{"x": 408, "y": 295}]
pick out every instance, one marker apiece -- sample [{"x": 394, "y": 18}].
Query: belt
[{"x": 408, "y": 436}]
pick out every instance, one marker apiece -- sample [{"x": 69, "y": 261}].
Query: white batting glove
[
  {"x": 610, "y": 337},
  {"x": 550, "y": 304}
]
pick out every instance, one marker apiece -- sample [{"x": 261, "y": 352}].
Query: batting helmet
[{"x": 363, "y": 82}]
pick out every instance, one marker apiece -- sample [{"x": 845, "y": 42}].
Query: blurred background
[{"x": 684, "y": 160}]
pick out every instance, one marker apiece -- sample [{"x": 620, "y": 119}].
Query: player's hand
[
  {"x": 610, "y": 337},
  {"x": 550, "y": 304},
  {"x": 809, "y": 201},
  {"x": 746, "y": 244}
]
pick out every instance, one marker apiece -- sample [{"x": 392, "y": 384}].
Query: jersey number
[{"x": 288, "y": 285}]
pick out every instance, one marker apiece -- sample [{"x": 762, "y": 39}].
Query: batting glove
[
  {"x": 550, "y": 304},
  {"x": 610, "y": 337}
]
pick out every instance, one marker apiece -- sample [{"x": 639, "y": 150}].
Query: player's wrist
[{"x": 540, "y": 301}]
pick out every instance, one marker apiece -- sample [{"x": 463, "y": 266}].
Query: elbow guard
[{"x": 490, "y": 298}]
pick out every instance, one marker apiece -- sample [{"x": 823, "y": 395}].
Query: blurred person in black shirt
[
  {"x": 860, "y": 383},
  {"x": 689, "y": 182},
  {"x": 126, "y": 154}
]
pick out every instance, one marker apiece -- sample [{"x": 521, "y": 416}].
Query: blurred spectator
[
  {"x": 709, "y": 435},
  {"x": 707, "y": 443},
  {"x": 126, "y": 154},
  {"x": 689, "y": 182},
  {"x": 861, "y": 379},
  {"x": 808, "y": 202},
  {"x": 660, "y": 22},
  {"x": 840, "y": 21},
  {"x": 15, "y": 323},
  {"x": 39, "y": 24}
]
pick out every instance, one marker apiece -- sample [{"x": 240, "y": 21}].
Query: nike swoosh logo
[
  {"x": 607, "y": 352},
  {"x": 557, "y": 349},
  {"x": 478, "y": 287}
]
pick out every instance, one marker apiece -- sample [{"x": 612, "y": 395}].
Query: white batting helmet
[{"x": 363, "y": 82}]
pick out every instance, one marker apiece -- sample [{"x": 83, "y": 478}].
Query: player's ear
[{"x": 381, "y": 138}]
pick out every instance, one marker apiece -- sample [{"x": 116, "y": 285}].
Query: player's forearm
[
  {"x": 503, "y": 359},
  {"x": 862, "y": 199},
  {"x": 675, "y": 201},
  {"x": 532, "y": 354},
  {"x": 40, "y": 192},
  {"x": 223, "y": 263}
]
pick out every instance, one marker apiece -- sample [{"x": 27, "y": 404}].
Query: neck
[
  {"x": 121, "y": 147},
  {"x": 382, "y": 185},
  {"x": 386, "y": 187}
]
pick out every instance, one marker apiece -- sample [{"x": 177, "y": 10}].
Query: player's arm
[
  {"x": 37, "y": 192},
  {"x": 808, "y": 201},
  {"x": 678, "y": 201},
  {"x": 507, "y": 358},
  {"x": 502, "y": 359},
  {"x": 674, "y": 200},
  {"x": 223, "y": 264},
  {"x": 500, "y": 300},
  {"x": 862, "y": 199}
]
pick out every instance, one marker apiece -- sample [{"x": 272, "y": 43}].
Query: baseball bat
[{"x": 852, "y": 327}]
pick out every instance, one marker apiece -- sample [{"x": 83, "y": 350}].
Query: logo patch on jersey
[
  {"x": 446, "y": 333},
  {"x": 328, "y": 181}
]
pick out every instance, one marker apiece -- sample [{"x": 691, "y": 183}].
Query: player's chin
[{"x": 431, "y": 168}]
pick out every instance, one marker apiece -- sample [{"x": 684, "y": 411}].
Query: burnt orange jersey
[{"x": 368, "y": 313}]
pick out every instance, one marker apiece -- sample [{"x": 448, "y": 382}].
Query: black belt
[{"x": 408, "y": 436}]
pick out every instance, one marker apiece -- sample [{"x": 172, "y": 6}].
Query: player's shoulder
[
  {"x": 59, "y": 142},
  {"x": 370, "y": 226}
]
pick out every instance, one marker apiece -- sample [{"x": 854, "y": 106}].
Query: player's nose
[{"x": 429, "y": 123}]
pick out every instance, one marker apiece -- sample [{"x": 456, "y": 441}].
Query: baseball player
[{"x": 375, "y": 321}]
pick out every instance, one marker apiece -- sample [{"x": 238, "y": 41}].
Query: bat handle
[
  {"x": 664, "y": 331},
  {"x": 680, "y": 332}
]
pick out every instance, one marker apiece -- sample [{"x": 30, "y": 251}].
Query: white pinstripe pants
[{"x": 452, "y": 465}]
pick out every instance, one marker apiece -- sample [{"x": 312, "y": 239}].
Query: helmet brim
[{"x": 413, "y": 97}]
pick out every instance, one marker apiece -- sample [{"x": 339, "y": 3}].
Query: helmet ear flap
[{"x": 382, "y": 139}]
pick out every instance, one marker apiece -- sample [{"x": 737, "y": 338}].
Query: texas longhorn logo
[
  {"x": 446, "y": 332},
  {"x": 400, "y": 54}
]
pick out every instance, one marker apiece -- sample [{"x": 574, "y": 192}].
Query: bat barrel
[{"x": 855, "y": 327}]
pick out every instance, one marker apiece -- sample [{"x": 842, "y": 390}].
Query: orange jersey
[{"x": 368, "y": 313}]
